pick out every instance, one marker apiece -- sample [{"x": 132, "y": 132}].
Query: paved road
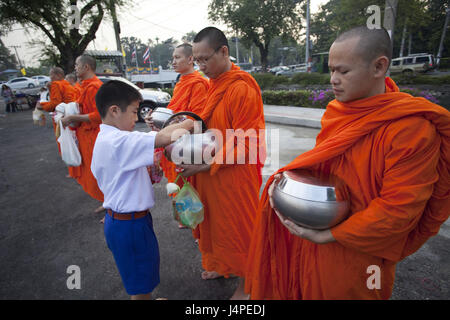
[{"x": 47, "y": 224}]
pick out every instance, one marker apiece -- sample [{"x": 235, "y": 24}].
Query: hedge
[
  {"x": 320, "y": 98},
  {"x": 421, "y": 79},
  {"x": 269, "y": 81}
]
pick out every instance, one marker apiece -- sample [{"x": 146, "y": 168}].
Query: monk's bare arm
[{"x": 75, "y": 118}]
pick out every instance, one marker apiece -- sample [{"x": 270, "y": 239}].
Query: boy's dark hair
[{"x": 115, "y": 92}]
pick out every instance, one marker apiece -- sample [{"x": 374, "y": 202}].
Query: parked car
[
  {"x": 421, "y": 62},
  {"x": 43, "y": 80},
  {"x": 151, "y": 98},
  {"x": 292, "y": 70},
  {"x": 22, "y": 83},
  {"x": 274, "y": 70},
  {"x": 286, "y": 73}
]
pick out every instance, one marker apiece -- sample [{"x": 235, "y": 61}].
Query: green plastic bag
[{"x": 187, "y": 207}]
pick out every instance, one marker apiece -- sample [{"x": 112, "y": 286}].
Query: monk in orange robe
[
  {"x": 72, "y": 79},
  {"x": 392, "y": 151},
  {"x": 60, "y": 91},
  {"x": 228, "y": 191},
  {"x": 88, "y": 122},
  {"x": 189, "y": 95}
]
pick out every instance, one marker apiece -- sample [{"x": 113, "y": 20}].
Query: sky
[{"x": 146, "y": 19}]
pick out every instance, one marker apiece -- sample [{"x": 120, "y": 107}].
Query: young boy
[{"x": 119, "y": 163}]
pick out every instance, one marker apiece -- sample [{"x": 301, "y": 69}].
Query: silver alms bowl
[
  {"x": 160, "y": 116},
  {"x": 310, "y": 199}
]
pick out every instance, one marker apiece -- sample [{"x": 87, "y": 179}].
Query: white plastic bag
[
  {"x": 45, "y": 96},
  {"x": 38, "y": 117},
  {"x": 71, "y": 108},
  {"x": 69, "y": 147}
]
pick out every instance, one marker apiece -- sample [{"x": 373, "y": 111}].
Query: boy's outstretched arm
[{"x": 171, "y": 133}]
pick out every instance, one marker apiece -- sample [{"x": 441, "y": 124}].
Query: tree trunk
[{"x": 264, "y": 51}]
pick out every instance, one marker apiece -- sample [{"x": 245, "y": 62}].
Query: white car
[
  {"x": 22, "y": 83},
  {"x": 151, "y": 98},
  {"x": 43, "y": 80}
]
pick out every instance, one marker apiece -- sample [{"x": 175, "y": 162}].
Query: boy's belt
[{"x": 127, "y": 216}]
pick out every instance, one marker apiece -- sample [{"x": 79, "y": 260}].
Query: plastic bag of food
[
  {"x": 38, "y": 117},
  {"x": 69, "y": 146},
  {"x": 187, "y": 207}
]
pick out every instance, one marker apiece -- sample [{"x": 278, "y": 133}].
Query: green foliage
[
  {"x": 420, "y": 79},
  {"x": 321, "y": 98},
  {"x": 7, "y": 58},
  {"x": 299, "y": 98},
  {"x": 52, "y": 17},
  {"x": 168, "y": 90},
  {"x": 258, "y": 21},
  {"x": 268, "y": 80},
  {"x": 304, "y": 78},
  {"x": 423, "y": 19}
]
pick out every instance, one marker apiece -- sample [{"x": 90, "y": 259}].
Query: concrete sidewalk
[{"x": 296, "y": 116}]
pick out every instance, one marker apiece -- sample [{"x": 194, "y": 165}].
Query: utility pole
[
  {"x": 307, "y": 55},
  {"x": 158, "y": 51},
  {"x": 237, "y": 49},
  {"x": 17, "y": 55},
  {"x": 410, "y": 44},
  {"x": 402, "y": 47},
  {"x": 390, "y": 12},
  {"x": 441, "y": 45}
]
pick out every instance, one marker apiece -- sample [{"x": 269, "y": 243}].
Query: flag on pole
[
  {"x": 146, "y": 55},
  {"x": 123, "y": 52},
  {"x": 133, "y": 54}
]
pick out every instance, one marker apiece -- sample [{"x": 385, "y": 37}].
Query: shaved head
[
  {"x": 72, "y": 77},
  {"x": 372, "y": 43},
  {"x": 57, "y": 71},
  {"x": 186, "y": 48},
  {"x": 215, "y": 38},
  {"x": 89, "y": 61}
]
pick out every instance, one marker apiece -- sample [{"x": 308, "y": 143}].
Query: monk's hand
[
  {"x": 39, "y": 106},
  {"x": 316, "y": 236},
  {"x": 192, "y": 169},
  {"x": 149, "y": 121},
  {"x": 276, "y": 179},
  {"x": 67, "y": 120}
]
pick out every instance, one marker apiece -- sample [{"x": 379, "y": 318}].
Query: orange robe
[
  {"x": 61, "y": 91},
  {"x": 78, "y": 89},
  {"x": 230, "y": 192},
  {"x": 87, "y": 134},
  {"x": 189, "y": 95},
  {"x": 392, "y": 150}
]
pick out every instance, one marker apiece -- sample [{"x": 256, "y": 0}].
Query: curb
[
  {"x": 293, "y": 121},
  {"x": 294, "y": 116}
]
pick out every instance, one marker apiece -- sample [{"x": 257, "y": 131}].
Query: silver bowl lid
[
  {"x": 304, "y": 184},
  {"x": 164, "y": 110}
]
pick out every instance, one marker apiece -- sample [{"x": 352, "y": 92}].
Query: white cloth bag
[{"x": 69, "y": 147}]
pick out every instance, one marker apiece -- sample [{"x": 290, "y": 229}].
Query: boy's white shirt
[{"x": 119, "y": 162}]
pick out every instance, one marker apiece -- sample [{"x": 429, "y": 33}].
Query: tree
[
  {"x": 418, "y": 17},
  {"x": 189, "y": 37},
  {"x": 258, "y": 21},
  {"x": 160, "y": 54},
  {"x": 7, "y": 59},
  {"x": 65, "y": 40}
]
